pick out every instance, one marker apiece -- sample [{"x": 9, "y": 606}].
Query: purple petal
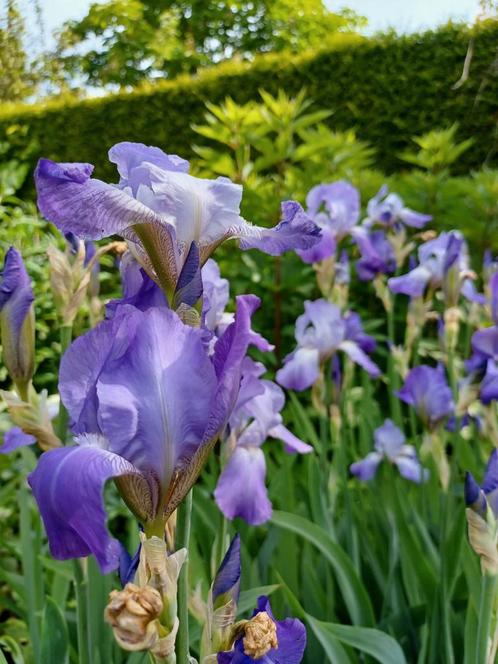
[
  {"x": 293, "y": 444},
  {"x": 68, "y": 485},
  {"x": 241, "y": 490},
  {"x": 301, "y": 369},
  {"x": 389, "y": 439},
  {"x": 366, "y": 468},
  {"x": 485, "y": 342},
  {"x": 413, "y": 284},
  {"x": 228, "y": 576},
  {"x": 355, "y": 332},
  {"x": 295, "y": 231},
  {"x": 87, "y": 207},
  {"x": 138, "y": 288},
  {"x": 427, "y": 390},
  {"x": 15, "y": 438},
  {"x": 470, "y": 293},
  {"x": 228, "y": 360},
  {"x": 409, "y": 467},
  {"x": 128, "y": 156},
  {"x": 324, "y": 248},
  {"x": 490, "y": 481},
  {"x": 189, "y": 286},
  {"x": 291, "y": 636},
  {"x": 16, "y": 300},
  {"x": 493, "y": 286},
  {"x": 216, "y": 294},
  {"x": 474, "y": 497},
  {"x": 489, "y": 385},
  {"x": 355, "y": 353},
  {"x": 414, "y": 219},
  {"x": 342, "y": 203}
]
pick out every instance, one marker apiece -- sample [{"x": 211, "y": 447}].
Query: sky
[{"x": 404, "y": 15}]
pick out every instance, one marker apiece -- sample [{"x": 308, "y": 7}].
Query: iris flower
[
  {"x": 427, "y": 390},
  {"x": 484, "y": 360},
  {"x": 17, "y": 324},
  {"x": 389, "y": 210},
  {"x": 262, "y": 639},
  {"x": 377, "y": 254},
  {"x": 335, "y": 208},
  {"x": 390, "y": 445},
  {"x": 160, "y": 210},
  {"x": 320, "y": 333},
  {"x": 241, "y": 489},
  {"x": 443, "y": 262},
  {"x": 147, "y": 403}
]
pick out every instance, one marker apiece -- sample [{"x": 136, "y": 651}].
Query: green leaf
[
  {"x": 54, "y": 637},
  {"x": 355, "y": 596},
  {"x": 248, "y": 598},
  {"x": 373, "y": 642}
]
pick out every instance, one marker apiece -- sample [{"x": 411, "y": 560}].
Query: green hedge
[{"x": 388, "y": 88}]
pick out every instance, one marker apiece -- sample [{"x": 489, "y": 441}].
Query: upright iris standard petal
[
  {"x": 17, "y": 319},
  {"x": 68, "y": 485},
  {"x": 426, "y": 389},
  {"x": 139, "y": 290}
]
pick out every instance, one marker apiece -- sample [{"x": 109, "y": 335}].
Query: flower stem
[
  {"x": 182, "y": 541},
  {"x": 486, "y": 606},
  {"x": 81, "y": 611},
  {"x": 221, "y": 546},
  {"x": 66, "y": 333}
]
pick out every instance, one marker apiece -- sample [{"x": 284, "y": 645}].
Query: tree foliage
[
  {"x": 16, "y": 75},
  {"x": 123, "y": 42}
]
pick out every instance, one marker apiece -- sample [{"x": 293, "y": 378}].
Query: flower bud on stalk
[
  {"x": 481, "y": 516},
  {"x": 452, "y": 317},
  {"x": 17, "y": 321},
  {"x": 33, "y": 417},
  {"x": 144, "y": 614}
]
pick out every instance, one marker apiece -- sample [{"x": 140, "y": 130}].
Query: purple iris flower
[
  {"x": 335, "y": 208},
  {"x": 443, "y": 262},
  {"x": 290, "y": 637},
  {"x": 377, "y": 254},
  {"x": 389, "y": 210},
  {"x": 241, "y": 490},
  {"x": 320, "y": 332},
  {"x": 17, "y": 319},
  {"x": 160, "y": 209},
  {"x": 390, "y": 445},
  {"x": 216, "y": 296},
  {"x": 147, "y": 403},
  {"x": 426, "y": 389},
  {"x": 480, "y": 497}
]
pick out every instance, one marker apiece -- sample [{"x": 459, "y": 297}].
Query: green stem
[
  {"x": 66, "y": 334},
  {"x": 182, "y": 541},
  {"x": 486, "y": 605},
  {"x": 81, "y": 612},
  {"x": 221, "y": 544},
  {"x": 393, "y": 376}
]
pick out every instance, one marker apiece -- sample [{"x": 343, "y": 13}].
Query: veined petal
[
  {"x": 241, "y": 490},
  {"x": 68, "y": 484},
  {"x": 85, "y": 206},
  {"x": 295, "y": 231},
  {"x": 324, "y": 248}
]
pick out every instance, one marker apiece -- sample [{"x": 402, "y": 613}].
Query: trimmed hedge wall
[{"x": 388, "y": 88}]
